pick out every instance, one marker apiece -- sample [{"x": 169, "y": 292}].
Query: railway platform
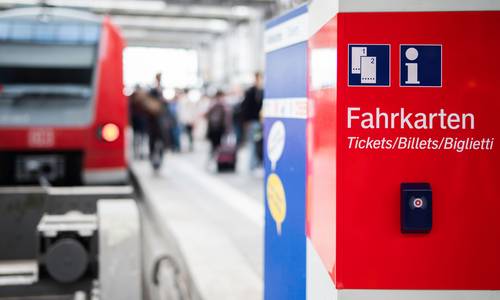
[{"x": 216, "y": 219}]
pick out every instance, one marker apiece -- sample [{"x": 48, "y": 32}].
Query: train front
[{"x": 62, "y": 109}]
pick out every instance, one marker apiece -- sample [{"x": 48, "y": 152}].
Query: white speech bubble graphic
[{"x": 276, "y": 142}]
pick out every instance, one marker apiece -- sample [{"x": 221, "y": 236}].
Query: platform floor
[{"x": 216, "y": 219}]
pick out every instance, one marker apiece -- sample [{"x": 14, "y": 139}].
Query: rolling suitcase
[{"x": 226, "y": 154}]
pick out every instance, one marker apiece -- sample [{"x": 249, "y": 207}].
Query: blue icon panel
[
  {"x": 369, "y": 65},
  {"x": 421, "y": 65}
]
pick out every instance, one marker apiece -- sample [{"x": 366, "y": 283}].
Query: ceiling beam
[
  {"x": 149, "y": 38},
  {"x": 164, "y": 44},
  {"x": 172, "y": 24},
  {"x": 149, "y": 8},
  {"x": 156, "y": 22}
]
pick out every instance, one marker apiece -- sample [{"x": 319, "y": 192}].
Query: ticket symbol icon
[{"x": 369, "y": 65}]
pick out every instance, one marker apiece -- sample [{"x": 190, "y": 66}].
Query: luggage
[{"x": 226, "y": 154}]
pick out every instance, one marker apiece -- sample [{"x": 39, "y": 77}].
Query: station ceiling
[{"x": 169, "y": 23}]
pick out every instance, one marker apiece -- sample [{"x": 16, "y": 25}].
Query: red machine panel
[
  {"x": 425, "y": 113},
  {"x": 321, "y": 150},
  {"x": 461, "y": 250}
]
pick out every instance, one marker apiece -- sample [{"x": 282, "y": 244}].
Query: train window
[
  {"x": 21, "y": 31},
  {"x": 69, "y": 33},
  {"x": 23, "y": 75},
  {"x": 50, "y": 33},
  {"x": 51, "y": 63},
  {"x": 33, "y": 55},
  {"x": 4, "y": 31},
  {"x": 90, "y": 34},
  {"x": 45, "y": 33},
  {"x": 46, "y": 64}
]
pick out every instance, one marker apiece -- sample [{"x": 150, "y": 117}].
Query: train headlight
[{"x": 110, "y": 132}]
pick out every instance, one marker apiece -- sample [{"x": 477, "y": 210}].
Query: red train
[{"x": 62, "y": 108}]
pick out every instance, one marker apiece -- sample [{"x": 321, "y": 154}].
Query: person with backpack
[
  {"x": 138, "y": 120},
  {"x": 157, "y": 109},
  {"x": 216, "y": 122}
]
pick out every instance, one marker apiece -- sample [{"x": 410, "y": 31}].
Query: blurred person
[
  {"x": 138, "y": 120},
  {"x": 174, "y": 127},
  {"x": 234, "y": 100},
  {"x": 216, "y": 122},
  {"x": 238, "y": 124},
  {"x": 251, "y": 107},
  {"x": 156, "y": 108},
  {"x": 188, "y": 111}
]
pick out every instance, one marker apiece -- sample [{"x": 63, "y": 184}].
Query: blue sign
[
  {"x": 421, "y": 65},
  {"x": 285, "y": 167},
  {"x": 369, "y": 65}
]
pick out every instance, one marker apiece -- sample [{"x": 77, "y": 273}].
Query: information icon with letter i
[
  {"x": 369, "y": 65},
  {"x": 421, "y": 65}
]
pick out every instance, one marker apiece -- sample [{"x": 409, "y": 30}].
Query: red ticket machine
[{"x": 403, "y": 163}]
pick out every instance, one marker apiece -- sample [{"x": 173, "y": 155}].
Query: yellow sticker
[{"x": 276, "y": 200}]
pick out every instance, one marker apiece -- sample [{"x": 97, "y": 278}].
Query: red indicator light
[
  {"x": 110, "y": 132},
  {"x": 418, "y": 203}
]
